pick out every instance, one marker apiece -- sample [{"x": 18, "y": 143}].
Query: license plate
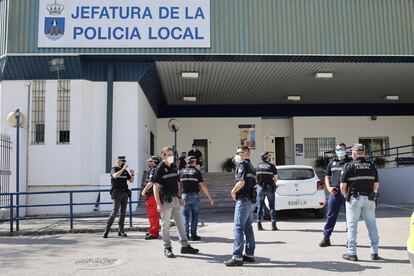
[{"x": 296, "y": 202}]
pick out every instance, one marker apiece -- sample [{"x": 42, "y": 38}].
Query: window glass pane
[
  {"x": 37, "y": 130},
  {"x": 63, "y": 112}
]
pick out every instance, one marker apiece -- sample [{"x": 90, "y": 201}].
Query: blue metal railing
[
  {"x": 11, "y": 206},
  {"x": 400, "y": 153}
]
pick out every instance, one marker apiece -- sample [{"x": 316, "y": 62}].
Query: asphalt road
[{"x": 293, "y": 250}]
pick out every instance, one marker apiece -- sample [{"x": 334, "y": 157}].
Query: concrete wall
[
  {"x": 399, "y": 129},
  {"x": 81, "y": 163},
  {"x": 396, "y": 185},
  {"x": 223, "y": 137},
  {"x": 14, "y": 95}
]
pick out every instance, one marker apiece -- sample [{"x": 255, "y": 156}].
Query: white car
[{"x": 299, "y": 187}]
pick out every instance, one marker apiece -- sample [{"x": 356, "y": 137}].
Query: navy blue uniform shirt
[
  {"x": 168, "y": 178},
  {"x": 245, "y": 172},
  {"x": 120, "y": 184},
  {"x": 360, "y": 175},
  {"x": 190, "y": 178},
  {"x": 265, "y": 173},
  {"x": 334, "y": 170}
]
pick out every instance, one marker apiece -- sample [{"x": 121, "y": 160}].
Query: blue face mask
[{"x": 341, "y": 153}]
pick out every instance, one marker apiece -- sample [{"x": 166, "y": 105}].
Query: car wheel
[{"x": 320, "y": 213}]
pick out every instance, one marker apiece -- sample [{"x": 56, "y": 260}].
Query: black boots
[
  {"x": 325, "y": 242},
  {"x": 259, "y": 226},
  {"x": 106, "y": 233},
  {"x": 274, "y": 227}
]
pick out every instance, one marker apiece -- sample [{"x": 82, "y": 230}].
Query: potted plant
[
  {"x": 228, "y": 164},
  {"x": 379, "y": 162}
]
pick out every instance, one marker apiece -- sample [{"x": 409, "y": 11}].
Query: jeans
[
  {"x": 354, "y": 209},
  {"x": 335, "y": 203},
  {"x": 192, "y": 203},
  {"x": 120, "y": 201},
  {"x": 173, "y": 209},
  {"x": 243, "y": 218},
  {"x": 261, "y": 194}
]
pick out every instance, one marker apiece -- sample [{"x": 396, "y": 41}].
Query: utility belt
[
  {"x": 167, "y": 197},
  {"x": 371, "y": 195},
  {"x": 114, "y": 191},
  {"x": 268, "y": 187}
]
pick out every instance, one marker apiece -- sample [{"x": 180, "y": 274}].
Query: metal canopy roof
[{"x": 233, "y": 83}]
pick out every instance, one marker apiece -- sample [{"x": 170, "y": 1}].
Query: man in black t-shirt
[
  {"x": 191, "y": 181},
  {"x": 119, "y": 194},
  {"x": 168, "y": 197},
  {"x": 195, "y": 152}
]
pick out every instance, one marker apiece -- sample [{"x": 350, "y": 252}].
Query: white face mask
[
  {"x": 170, "y": 159},
  {"x": 238, "y": 159}
]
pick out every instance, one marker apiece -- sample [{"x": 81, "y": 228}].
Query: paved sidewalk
[{"x": 293, "y": 250}]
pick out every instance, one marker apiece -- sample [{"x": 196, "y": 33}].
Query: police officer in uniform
[
  {"x": 191, "y": 181},
  {"x": 336, "y": 199},
  {"x": 119, "y": 194},
  {"x": 195, "y": 152},
  {"x": 266, "y": 174},
  {"x": 150, "y": 202},
  {"x": 168, "y": 197},
  {"x": 359, "y": 185},
  {"x": 244, "y": 193}
]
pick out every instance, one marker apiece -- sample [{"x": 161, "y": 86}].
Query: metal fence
[
  {"x": 5, "y": 172},
  {"x": 71, "y": 203},
  {"x": 399, "y": 156}
]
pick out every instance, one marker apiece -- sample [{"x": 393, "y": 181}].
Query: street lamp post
[
  {"x": 16, "y": 119},
  {"x": 17, "y": 116}
]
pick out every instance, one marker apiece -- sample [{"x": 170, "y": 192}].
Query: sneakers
[
  {"x": 325, "y": 242},
  {"x": 248, "y": 259},
  {"x": 105, "y": 234},
  {"x": 259, "y": 226},
  {"x": 168, "y": 253},
  {"x": 375, "y": 257},
  {"x": 149, "y": 237},
  {"x": 233, "y": 262},
  {"x": 274, "y": 227},
  {"x": 348, "y": 257},
  {"x": 189, "y": 250},
  {"x": 195, "y": 238}
]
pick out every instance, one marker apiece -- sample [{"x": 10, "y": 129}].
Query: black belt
[{"x": 361, "y": 193}]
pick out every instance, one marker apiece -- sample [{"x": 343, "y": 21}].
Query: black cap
[
  {"x": 264, "y": 155},
  {"x": 358, "y": 147},
  {"x": 122, "y": 158}
]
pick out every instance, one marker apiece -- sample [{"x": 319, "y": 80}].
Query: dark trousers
[
  {"x": 120, "y": 200},
  {"x": 334, "y": 206}
]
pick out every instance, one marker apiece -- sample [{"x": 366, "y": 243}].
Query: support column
[{"x": 109, "y": 115}]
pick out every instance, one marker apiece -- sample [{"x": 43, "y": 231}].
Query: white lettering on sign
[{"x": 124, "y": 24}]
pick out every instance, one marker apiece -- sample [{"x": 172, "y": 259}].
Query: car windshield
[{"x": 295, "y": 174}]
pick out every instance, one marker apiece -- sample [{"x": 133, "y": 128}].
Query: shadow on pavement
[
  {"x": 36, "y": 240},
  {"x": 225, "y": 240},
  {"x": 333, "y": 266}
]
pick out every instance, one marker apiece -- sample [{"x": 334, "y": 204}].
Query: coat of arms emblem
[{"x": 54, "y": 25}]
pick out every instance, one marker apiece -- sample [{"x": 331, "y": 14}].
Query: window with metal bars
[
  {"x": 376, "y": 144},
  {"x": 38, "y": 112},
  {"x": 316, "y": 147},
  {"x": 63, "y": 112}
]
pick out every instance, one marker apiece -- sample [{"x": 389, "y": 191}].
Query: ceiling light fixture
[
  {"x": 294, "y": 98},
  {"x": 189, "y": 75},
  {"x": 190, "y": 99},
  {"x": 392, "y": 98},
  {"x": 325, "y": 75}
]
